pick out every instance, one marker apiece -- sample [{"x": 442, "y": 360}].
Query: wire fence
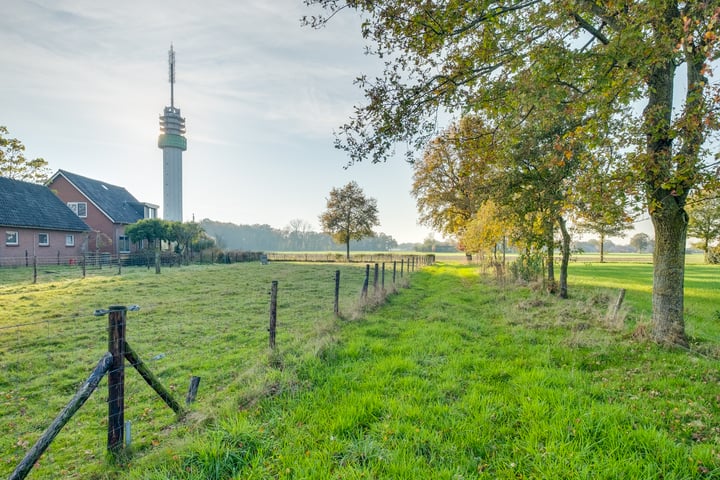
[{"x": 214, "y": 328}]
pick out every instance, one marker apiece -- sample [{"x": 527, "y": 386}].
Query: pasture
[{"x": 455, "y": 377}]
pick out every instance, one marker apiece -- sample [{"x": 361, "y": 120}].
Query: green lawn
[{"x": 455, "y": 377}]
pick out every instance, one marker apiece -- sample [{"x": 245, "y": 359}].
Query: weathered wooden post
[
  {"x": 83, "y": 393},
  {"x": 27, "y": 264},
  {"x": 273, "y": 312},
  {"x": 363, "y": 293},
  {"x": 375, "y": 278},
  {"x": 117, "y": 317},
  {"x": 192, "y": 391},
  {"x": 84, "y": 259},
  {"x": 616, "y": 308},
  {"x": 58, "y": 258},
  {"x": 394, "y": 270},
  {"x": 336, "y": 308},
  {"x": 402, "y": 267},
  {"x": 34, "y": 268},
  {"x": 383, "y": 277}
]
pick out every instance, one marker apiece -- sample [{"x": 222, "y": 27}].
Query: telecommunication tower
[{"x": 172, "y": 142}]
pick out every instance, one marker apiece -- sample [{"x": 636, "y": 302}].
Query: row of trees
[
  {"x": 184, "y": 238},
  {"x": 566, "y": 108}
]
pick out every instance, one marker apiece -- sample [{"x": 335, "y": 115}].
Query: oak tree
[
  {"x": 350, "y": 215},
  {"x": 460, "y": 56},
  {"x": 14, "y": 164}
]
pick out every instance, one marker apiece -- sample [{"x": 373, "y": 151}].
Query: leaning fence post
[
  {"x": 117, "y": 317},
  {"x": 336, "y": 308},
  {"x": 83, "y": 393},
  {"x": 273, "y": 312}
]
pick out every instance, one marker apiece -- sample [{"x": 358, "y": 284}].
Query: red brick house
[
  {"x": 106, "y": 208},
  {"x": 36, "y": 223}
]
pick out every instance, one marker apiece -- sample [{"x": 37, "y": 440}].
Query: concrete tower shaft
[{"x": 172, "y": 142}]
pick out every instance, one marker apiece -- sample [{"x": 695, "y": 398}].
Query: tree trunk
[
  {"x": 602, "y": 248},
  {"x": 347, "y": 249},
  {"x": 565, "y": 257},
  {"x": 666, "y": 210},
  {"x": 551, "y": 286},
  {"x": 668, "y": 276}
]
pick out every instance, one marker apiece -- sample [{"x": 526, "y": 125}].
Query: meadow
[{"x": 457, "y": 376}]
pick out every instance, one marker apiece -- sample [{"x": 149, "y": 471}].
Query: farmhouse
[
  {"x": 35, "y": 222},
  {"x": 106, "y": 208}
]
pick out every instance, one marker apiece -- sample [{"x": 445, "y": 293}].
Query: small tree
[
  {"x": 13, "y": 163},
  {"x": 704, "y": 224},
  {"x": 640, "y": 242},
  {"x": 154, "y": 231},
  {"x": 350, "y": 215}
]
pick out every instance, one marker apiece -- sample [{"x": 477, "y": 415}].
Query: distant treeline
[{"x": 268, "y": 239}]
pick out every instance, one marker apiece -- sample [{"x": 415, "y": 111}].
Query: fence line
[{"x": 83, "y": 331}]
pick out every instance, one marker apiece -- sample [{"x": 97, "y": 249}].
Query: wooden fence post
[
  {"x": 383, "y": 277},
  {"x": 151, "y": 379},
  {"x": 363, "y": 293},
  {"x": 336, "y": 308},
  {"x": 273, "y": 312},
  {"x": 402, "y": 267},
  {"x": 192, "y": 391},
  {"x": 616, "y": 308},
  {"x": 117, "y": 317},
  {"x": 84, "y": 259},
  {"x": 375, "y": 278},
  {"x": 394, "y": 270},
  {"x": 83, "y": 393},
  {"x": 34, "y": 268}
]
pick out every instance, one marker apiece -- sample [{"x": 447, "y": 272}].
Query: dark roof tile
[
  {"x": 116, "y": 202},
  {"x": 30, "y": 205}
]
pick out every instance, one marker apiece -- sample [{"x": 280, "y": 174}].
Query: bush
[{"x": 528, "y": 267}]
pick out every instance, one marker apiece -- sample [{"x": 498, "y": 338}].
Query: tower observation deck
[{"x": 172, "y": 142}]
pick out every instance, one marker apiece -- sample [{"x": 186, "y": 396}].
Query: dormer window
[{"x": 79, "y": 208}]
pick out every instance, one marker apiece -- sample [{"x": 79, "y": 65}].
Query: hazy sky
[{"x": 84, "y": 81}]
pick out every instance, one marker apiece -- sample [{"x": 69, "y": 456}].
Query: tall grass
[{"x": 456, "y": 377}]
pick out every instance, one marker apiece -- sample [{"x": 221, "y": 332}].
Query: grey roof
[
  {"x": 115, "y": 202},
  {"x": 29, "y": 205}
]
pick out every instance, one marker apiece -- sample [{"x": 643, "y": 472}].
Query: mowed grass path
[{"x": 459, "y": 378}]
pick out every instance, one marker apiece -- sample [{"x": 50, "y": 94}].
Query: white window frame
[
  {"x": 77, "y": 210},
  {"x": 69, "y": 240},
  {"x": 122, "y": 241},
  {"x": 8, "y": 236},
  {"x": 47, "y": 240}
]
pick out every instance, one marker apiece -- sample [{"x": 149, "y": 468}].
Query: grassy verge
[
  {"x": 458, "y": 377},
  {"x": 209, "y": 321}
]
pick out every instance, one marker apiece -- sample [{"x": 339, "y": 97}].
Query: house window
[
  {"x": 11, "y": 238},
  {"x": 79, "y": 208},
  {"x": 43, "y": 239},
  {"x": 150, "y": 212},
  {"x": 124, "y": 244},
  {"x": 69, "y": 240}
]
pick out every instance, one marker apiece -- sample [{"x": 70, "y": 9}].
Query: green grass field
[{"x": 455, "y": 377}]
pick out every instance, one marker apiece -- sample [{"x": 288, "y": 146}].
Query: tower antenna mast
[{"x": 171, "y": 62}]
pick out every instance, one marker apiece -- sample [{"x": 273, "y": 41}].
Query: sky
[{"x": 83, "y": 83}]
